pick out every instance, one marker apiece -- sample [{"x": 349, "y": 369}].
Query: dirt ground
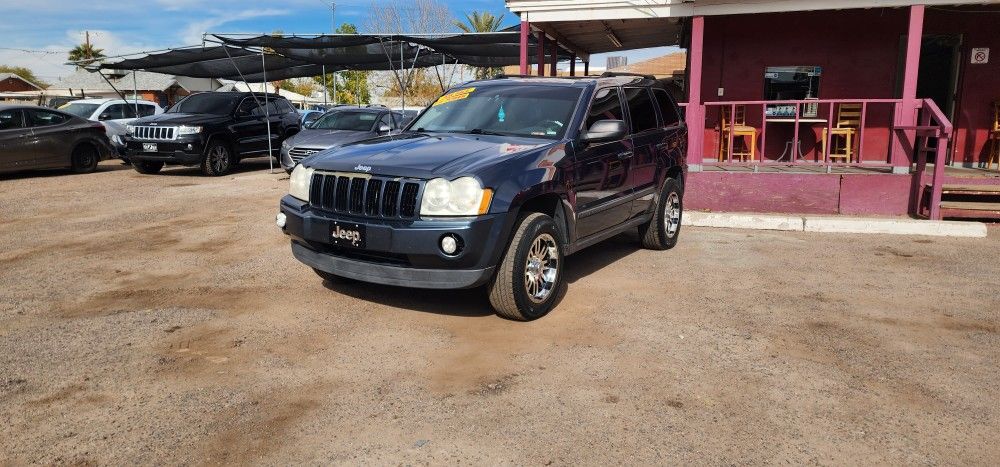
[{"x": 162, "y": 319}]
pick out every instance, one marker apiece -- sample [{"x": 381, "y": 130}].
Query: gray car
[
  {"x": 39, "y": 138},
  {"x": 337, "y": 128}
]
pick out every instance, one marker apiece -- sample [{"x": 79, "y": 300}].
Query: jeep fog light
[
  {"x": 451, "y": 245},
  {"x": 281, "y": 219}
]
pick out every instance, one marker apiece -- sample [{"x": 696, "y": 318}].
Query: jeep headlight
[
  {"x": 129, "y": 129},
  {"x": 460, "y": 197},
  {"x": 299, "y": 182},
  {"x": 188, "y": 130}
]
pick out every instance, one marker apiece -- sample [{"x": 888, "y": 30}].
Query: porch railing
[
  {"x": 933, "y": 124},
  {"x": 798, "y": 127}
]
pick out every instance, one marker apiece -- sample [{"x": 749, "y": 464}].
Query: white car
[{"x": 113, "y": 113}]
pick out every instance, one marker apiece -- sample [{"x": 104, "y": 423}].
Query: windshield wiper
[{"x": 480, "y": 131}]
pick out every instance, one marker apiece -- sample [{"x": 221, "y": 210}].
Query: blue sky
[{"x": 122, "y": 27}]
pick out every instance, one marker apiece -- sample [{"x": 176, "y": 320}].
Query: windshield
[
  {"x": 345, "y": 120},
  {"x": 217, "y": 103},
  {"x": 80, "y": 110},
  {"x": 514, "y": 110}
]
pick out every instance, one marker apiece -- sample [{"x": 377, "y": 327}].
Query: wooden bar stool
[
  {"x": 848, "y": 125},
  {"x": 740, "y": 131},
  {"x": 993, "y": 157}
]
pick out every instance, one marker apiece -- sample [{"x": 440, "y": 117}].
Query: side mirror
[
  {"x": 384, "y": 128},
  {"x": 104, "y": 117},
  {"x": 604, "y": 130}
]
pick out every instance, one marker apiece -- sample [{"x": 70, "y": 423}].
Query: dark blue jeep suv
[{"x": 494, "y": 184}]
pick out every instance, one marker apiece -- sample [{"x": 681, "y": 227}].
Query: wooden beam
[{"x": 566, "y": 43}]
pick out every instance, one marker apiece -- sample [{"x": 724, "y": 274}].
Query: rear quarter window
[{"x": 641, "y": 111}]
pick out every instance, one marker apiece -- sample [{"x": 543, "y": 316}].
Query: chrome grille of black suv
[{"x": 364, "y": 195}]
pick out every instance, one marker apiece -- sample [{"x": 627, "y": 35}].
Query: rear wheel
[
  {"x": 85, "y": 159},
  {"x": 663, "y": 230},
  {"x": 528, "y": 279},
  {"x": 218, "y": 159},
  {"x": 147, "y": 167}
]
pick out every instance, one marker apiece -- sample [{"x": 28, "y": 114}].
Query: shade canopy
[{"x": 284, "y": 57}]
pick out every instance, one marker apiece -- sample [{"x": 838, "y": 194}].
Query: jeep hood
[
  {"x": 423, "y": 155},
  {"x": 323, "y": 139},
  {"x": 181, "y": 119}
]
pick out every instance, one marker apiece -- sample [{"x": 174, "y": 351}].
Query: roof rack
[
  {"x": 613, "y": 74},
  {"x": 505, "y": 76}
]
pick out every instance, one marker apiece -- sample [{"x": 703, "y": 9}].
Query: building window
[{"x": 790, "y": 83}]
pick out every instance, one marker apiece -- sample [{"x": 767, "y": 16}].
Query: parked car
[
  {"x": 336, "y": 128},
  {"x": 495, "y": 184},
  {"x": 213, "y": 130},
  {"x": 40, "y": 138},
  {"x": 309, "y": 116},
  {"x": 114, "y": 114}
]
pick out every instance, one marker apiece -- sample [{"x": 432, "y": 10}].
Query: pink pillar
[
  {"x": 525, "y": 28},
  {"x": 695, "y": 113},
  {"x": 907, "y": 115},
  {"x": 541, "y": 53}
]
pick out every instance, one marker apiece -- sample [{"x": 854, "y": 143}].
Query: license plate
[
  {"x": 149, "y": 147},
  {"x": 348, "y": 235}
]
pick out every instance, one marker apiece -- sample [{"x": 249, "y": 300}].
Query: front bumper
[
  {"x": 183, "y": 151},
  {"x": 397, "y": 251}
]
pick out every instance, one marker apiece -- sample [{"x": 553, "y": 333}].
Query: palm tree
[
  {"x": 85, "y": 54},
  {"x": 481, "y": 22}
]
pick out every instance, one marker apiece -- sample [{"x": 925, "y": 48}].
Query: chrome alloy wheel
[
  {"x": 541, "y": 268},
  {"x": 672, "y": 216},
  {"x": 219, "y": 159}
]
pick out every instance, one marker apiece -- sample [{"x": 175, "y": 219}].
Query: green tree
[
  {"x": 85, "y": 54},
  {"x": 482, "y": 22},
  {"x": 24, "y": 73},
  {"x": 351, "y": 86}
]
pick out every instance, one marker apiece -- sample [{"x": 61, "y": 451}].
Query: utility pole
[{"x": 87, "y": 49}]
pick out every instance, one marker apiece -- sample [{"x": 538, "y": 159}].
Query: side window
[
  {"x": 11, "y": 119},
  {"x": 113, "y": 112},
  {"x": 606, "y": 106},
  {"x": 667, "y": 108},
  {"x": 146, "y": 110},
  {"x": 271, "y": 109},
  {"x": 249, "y": 105},
  {"x": 45, "y": 118},
  {"x": 285, "y": 106},
  {"x": 640, "y": 109}
]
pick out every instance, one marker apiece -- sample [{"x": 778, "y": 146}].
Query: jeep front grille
[
  {"x": 365, "y": 195},
  {"x": 155, "y": 133},
  {"x": 298, "y": 153}
]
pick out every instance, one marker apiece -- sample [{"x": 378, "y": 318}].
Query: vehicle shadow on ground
[
  {"x": 466, "y": 302},
  {"x": 475, "y": 302},
  {"x": 245, "y": 166},
  {"x": 47, "y": 173}
]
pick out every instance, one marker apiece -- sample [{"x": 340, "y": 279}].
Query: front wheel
[
  {"x": 218, "y": 160},
  {"x": 529, "y": 277},
  {"x": 663, "y": 230},
  {"x": 85, "y": 159}
]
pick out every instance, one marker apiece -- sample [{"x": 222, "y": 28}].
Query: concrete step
[
  {"x": 835, "y": 224},
  {"x": 971, "y": 189}
]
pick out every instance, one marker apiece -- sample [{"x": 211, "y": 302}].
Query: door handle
[{"x": 624, "y": 155}]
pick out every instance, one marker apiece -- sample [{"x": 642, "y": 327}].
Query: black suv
[
  {"x": 494, "y": 184},
  {"x": 211, "y": 129}
]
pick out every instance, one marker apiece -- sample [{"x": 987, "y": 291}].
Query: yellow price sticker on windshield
[{"x": 452, "y": 97}]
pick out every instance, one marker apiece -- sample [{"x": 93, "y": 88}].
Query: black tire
[
  {"x": 663, "y": 230},
  {"x": 219, "y": 159},
  {"x": 147, "y": 167},
  {"x": 528, "y": 279},
  {"x": 85, "y": 159}
]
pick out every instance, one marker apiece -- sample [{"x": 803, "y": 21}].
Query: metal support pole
[
  {"x": 335, "y": 88},
  {"x": 267, "y": 111},
  {"x": 135, "y": 94},
  {"x": 402, "y": 69},
  {"x": 326, "y": 90}
]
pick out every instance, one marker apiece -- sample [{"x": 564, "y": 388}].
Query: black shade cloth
[{"x": 295, "y": 56}]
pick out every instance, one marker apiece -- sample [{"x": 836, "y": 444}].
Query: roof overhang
[{"x": 584, "y": 10}]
